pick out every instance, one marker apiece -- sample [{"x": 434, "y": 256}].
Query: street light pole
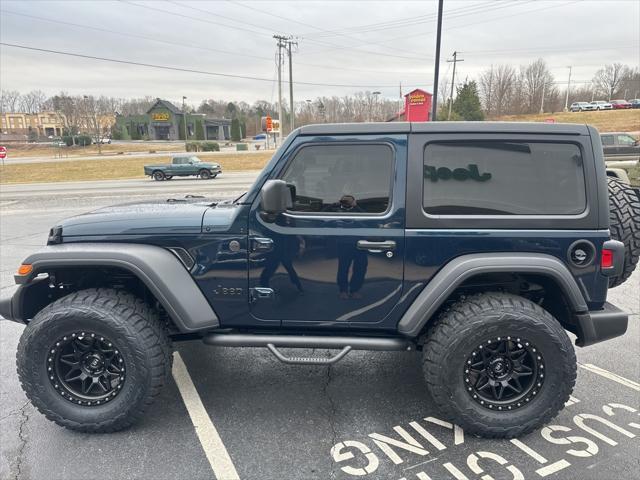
[
  {"x": 566, "y": 98},
  {"x": 184, "y": 118},
  {"x": 375, "y": 103}
]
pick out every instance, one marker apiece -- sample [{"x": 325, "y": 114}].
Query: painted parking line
[
  {"x": 211, "y": 442},
  {"x": 611, "y": 376}
]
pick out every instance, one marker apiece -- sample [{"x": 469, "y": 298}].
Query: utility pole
[
  {"x": 280, "y": 40},
  {"x": 544, "y": 86},
  {"x": 436, "y": 72},
  {"x": 453, "y": 80},
  {"x": 184, "y": 118},
  {"x": 566, "y": 98},
  {"x": 286, "y": 43},
  {"x": 290, "y": 42}
]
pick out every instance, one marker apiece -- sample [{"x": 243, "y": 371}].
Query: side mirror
[{"x": 275, "y": 197}]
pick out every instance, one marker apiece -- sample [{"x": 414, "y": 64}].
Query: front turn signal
[{"x": 25, "y": 269}]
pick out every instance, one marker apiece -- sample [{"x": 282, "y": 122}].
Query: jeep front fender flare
[
  {"x": 159, "y": 269},
  {"x": 444, "y": 283}
]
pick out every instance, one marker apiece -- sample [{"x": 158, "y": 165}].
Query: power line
[
  {"x": 187, "y": 70},
  {"x": 186, "y": 45},
  {"x": 134, "y": 35}
]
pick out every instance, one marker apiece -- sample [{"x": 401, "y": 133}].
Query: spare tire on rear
[{"x": 624, "y": 224}]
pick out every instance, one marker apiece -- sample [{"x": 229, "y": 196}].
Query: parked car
[
  {"x": 260, "y": 136},
  {"x": 602, "y": 105},
  {"x": 619, "y": 143},
  {"x": 635, "y": 103},
  {"x": 104, "y": 140},
  {"x": 431, "y": 237},
  {"x": 581, "y": 107},
  {"x": 620, "y": 104},
  {"x": 183, "y": 166}
]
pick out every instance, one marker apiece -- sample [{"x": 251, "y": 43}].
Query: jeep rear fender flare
[
  {"x": 159, "y": 269},
  {"x": 451, "y": 276}
]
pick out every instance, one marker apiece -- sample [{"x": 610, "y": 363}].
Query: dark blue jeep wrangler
[{"x": 478, "y": 244}]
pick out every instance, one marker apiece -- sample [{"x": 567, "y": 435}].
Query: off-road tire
[
  {"x": 159, "y": 176},
  {"x": 124, "y": 319},
  {"x": 624, "y": 224},
  {"x": 474, "y": 321},
  {"x": 204, "y": 174}
]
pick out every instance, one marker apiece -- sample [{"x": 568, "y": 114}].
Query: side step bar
[{"x": 272, "y": 342}]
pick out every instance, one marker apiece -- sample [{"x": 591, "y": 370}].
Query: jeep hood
[{"x": 159, "y": 217}]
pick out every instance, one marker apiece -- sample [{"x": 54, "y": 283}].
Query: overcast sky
[{"x": 362, "y": 45}]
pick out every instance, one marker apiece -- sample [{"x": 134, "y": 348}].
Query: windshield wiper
[{"x": 236, "y": 200}]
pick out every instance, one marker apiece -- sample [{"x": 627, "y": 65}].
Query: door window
[
  {"x": 625, "y": 140},
  {"x": 341, "y": 179}
]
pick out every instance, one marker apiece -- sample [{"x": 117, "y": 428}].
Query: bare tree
[
  {"x": 630, "y": 84},
  {"x": 33, "y": 101},
  {"x": 9, "y": 100},
  {"x": 536, "y": 80},
  {"x": 505, "y": 89},
  {"x": 487, "y": 85},
  {"x": 608, "y": 79}
]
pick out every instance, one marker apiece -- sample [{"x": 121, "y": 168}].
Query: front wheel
[
  {"x": 94, "y": 360},
  {"x": 158, "y": 176},
  {"x": 205, "y": 174},
  {"x": 498, "y": 365}
]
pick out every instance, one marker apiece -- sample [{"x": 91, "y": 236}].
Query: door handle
[
  {"x": 376, "y": 247},
  {"x": 261, "y": 244}
]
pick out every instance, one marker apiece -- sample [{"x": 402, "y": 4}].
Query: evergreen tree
[
  {"x": 467, "y": 103},
  {"x": 236, "y": 134}
]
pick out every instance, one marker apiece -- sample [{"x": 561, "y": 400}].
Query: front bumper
[
  {"x": 6, "y": 310},
  {"x": 600, "y": 325}
]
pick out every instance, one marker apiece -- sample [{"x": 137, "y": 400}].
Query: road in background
[{"x": 280, "y": 422}]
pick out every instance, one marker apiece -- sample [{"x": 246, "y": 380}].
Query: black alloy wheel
[
  {"x": 86, "y": 368},
  {"x": 504, "y": 373}
]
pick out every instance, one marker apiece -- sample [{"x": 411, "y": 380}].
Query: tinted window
[
  {"x": 341, "y": 178},
  {"x": 626, "y": 140},
  {"x": 607, "y": 139},
  {"x": 503, "y": 178}
]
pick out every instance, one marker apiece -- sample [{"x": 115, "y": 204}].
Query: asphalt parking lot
[{"x": 238, "y": 413}]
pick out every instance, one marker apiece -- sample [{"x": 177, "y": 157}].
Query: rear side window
[
  {"x": 607, "y": 139},
  {"x": 503, "y": 178},
  {"x": 343, "y": 179}
]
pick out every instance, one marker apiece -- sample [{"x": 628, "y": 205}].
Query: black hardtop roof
[{"x": 444, "y": 127}]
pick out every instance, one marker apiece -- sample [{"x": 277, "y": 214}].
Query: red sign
[
  {"x": 549, "y": 120},
  {"x": 3, "y": 152},
  {"x": 269, "y": 123},
  {"x": 417, "y": 106}
]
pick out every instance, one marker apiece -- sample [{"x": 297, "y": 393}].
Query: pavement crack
[
  {"x": 332, "y": 415},
  {"x": 23, "y": 440},
  {"x": 14, "y": 412}
]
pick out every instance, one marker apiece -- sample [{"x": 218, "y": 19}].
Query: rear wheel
[
  {"x": 498, "y": 365},
  {"x": 205, "y": 174},
  {"x": 94, "y": 360},
  {"x": 159, "y": 176},
  {"x": 624, "y": 224}
]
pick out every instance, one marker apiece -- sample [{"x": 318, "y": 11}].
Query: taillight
[{"x": 606, "y": 259}]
